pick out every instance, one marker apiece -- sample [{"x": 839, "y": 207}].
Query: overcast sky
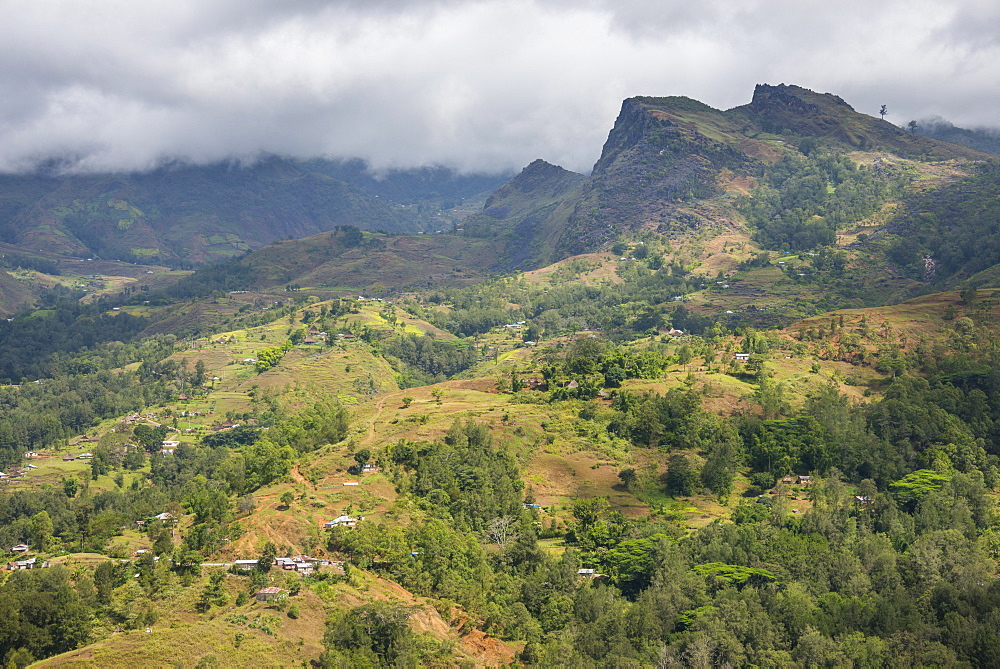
[{"x": 478, "y": 85}]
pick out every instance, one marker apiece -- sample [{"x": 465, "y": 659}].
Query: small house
[
  {"x": 805, "y": 480},
  {"x": 20, "y": 548},
  {"x": 267, "y": 594},
  {"x": 245, "y": 565},
  {"x": 30, "y": 563},
  {"x": 166, "y": 517},
  {"x": 302, "y": 564},
  {"x": 743, "y": 357},
  {"x": 342, "y": 521},
  {"x": 591, "y": 574}
]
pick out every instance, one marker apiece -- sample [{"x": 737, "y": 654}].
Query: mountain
[
  {"x": 790, "y": 170},
  {"x": 189, "y": 213},
  {"x": 669, "y": 160},
  {"x": 796, "y": 113},
  {"x": 407, "y": 186},
  {"x": 531, "y": 210}
]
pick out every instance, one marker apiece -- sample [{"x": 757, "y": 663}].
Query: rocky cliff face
[{"x": 658, "y": 160}]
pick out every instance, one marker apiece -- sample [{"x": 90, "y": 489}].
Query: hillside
[{"x": 574, "y": 431}]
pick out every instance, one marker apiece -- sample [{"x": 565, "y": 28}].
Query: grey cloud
[{"x": 475, "y": 84}]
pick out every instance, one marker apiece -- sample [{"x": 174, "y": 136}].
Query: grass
[{"x": 52, "y": 469}]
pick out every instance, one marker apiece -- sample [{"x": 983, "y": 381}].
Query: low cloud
[{"x": 477, "y": 85}]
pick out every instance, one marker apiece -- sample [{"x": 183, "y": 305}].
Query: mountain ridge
[{"x": 666, "y": 157}]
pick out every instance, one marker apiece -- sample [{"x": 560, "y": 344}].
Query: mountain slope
[{"x": 528, "y": 213}]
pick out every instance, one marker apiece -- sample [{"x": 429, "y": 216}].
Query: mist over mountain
[
  {"x": 981, "y": 139},
  {"x": 192, "y": 213}
]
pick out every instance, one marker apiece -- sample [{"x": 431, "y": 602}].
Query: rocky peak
[{"x": 793, "y": 99}]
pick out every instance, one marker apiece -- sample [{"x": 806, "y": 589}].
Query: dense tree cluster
[
  {"x": 466, "y": 477},
  {"x": 621, "y": 310},
  {"x": 64, "y": 339},
  {"x": 955, "y": 225},
  {"x": 805, "y": 200},
  {"x": 426, "y": 360}
]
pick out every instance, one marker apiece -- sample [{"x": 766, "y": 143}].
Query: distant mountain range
[
  {"x": 203, "y": 213},
  {"x": 981, "y": 139}
]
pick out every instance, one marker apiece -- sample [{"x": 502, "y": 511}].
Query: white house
[{"x": 342, "y": 521}]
